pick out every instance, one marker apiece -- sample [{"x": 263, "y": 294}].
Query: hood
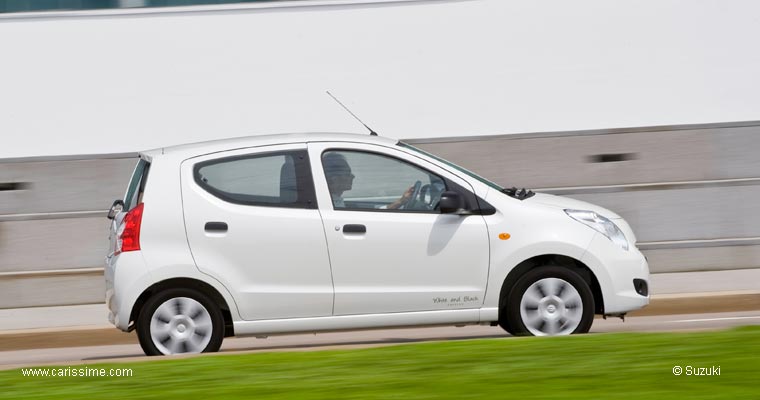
[{"x": 568, "y": 203}]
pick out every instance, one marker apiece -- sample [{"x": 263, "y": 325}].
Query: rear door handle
[
  {"x": 216, "y": 227},
  {"x": 354, "y": 228}
]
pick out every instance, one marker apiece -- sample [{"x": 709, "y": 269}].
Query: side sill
[{"x": 352, "y": 322}]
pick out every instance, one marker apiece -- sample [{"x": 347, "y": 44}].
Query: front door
[
  {"x": 391, "y": 250},
  {"x": 252, "y": 223}
]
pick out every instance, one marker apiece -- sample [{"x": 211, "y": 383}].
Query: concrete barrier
[{"x": 688, "y": 192}]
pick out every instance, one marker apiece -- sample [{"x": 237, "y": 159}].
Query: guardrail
[{"x": 688, "y": 192}]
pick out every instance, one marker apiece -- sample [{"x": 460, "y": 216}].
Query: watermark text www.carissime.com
[
  {"x": 690, "y": 370},
  {"x": 77, "y": 372}
]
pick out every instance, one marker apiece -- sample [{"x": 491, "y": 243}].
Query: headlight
[{"x": 601, "y": 225}]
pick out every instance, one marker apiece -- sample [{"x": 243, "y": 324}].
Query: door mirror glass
[{"x": 450, "y": 202}]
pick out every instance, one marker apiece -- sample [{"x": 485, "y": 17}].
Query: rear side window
[
  {"x": 277, "y": 179},
  {"x": 136, "y": 185}
]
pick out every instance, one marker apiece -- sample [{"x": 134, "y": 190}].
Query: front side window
[
  {"x": 278, "y": 179},
  {"x": 369, "y": 181}
]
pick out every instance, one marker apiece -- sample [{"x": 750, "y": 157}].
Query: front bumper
[{"x": 622, "y": 275}]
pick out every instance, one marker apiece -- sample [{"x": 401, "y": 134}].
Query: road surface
[{"x": 368, "y": 338}]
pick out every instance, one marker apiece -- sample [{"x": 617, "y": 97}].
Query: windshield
[{"x": 452, "y": 165}]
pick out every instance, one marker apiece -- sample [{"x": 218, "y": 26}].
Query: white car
[{"x": 317, "y": 232}]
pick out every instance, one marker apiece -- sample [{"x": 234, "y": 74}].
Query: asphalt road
[{"x": 369, "y": 338}]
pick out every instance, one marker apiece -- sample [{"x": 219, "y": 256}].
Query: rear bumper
[
  {"x": 621, "y": 275},
  {"x": 126, "y": 275}
]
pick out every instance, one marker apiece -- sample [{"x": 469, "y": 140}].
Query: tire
[
  {"x": 548, "y": 301},
  {"x": 179, "y": 321},
  {"x": 504, "y": 323}
]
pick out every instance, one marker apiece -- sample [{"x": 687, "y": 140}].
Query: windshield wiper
[{"x": 519, "y": 194}]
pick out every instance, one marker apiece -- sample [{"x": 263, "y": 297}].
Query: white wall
[{"x": 103, "y": 84}]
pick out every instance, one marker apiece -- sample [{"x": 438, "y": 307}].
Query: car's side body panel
[
  {"x": 164, "y": 253},
  {"x": 284, "y": 270},
  {"x": 532, "y": 231}
]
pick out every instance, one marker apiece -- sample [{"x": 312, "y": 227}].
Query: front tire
[
  {"x": 549, "y": 301},
  {"x": 179, "y": 321}
]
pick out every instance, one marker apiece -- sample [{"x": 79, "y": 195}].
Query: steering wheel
[
  {"x": 429, "y": 192},
  {"x": 415, "y": 193}
]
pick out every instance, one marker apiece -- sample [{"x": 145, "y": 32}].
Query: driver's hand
[
  {"x": 407, "y": 195},
  {"x": 403, "y": 199}
]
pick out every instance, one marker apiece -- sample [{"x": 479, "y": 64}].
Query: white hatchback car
[{"x": 317, "y": 232}]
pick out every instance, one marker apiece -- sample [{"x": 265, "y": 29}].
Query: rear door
[{"x": 252, "y": 222}]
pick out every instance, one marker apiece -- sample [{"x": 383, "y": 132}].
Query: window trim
[
  {"x": 307, "y": 198},
  {"x": 448, "y": 182}
]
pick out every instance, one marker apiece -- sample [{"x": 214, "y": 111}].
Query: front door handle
[
  {"x": 216, "y": 227},
  {"x": 354, "y": 228}
]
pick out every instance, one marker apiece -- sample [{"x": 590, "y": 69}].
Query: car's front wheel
[
  {"x": 550, "y": 300},
  {"x": 180, "y": 321}
]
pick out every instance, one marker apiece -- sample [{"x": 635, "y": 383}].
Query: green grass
[{"x": 603, "y": 366}]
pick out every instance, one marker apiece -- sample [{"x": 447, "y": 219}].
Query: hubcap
[
  {"x": 551, "y": 306},
  {"x": 181, "y": 325}
]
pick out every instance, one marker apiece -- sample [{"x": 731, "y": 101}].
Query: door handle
[
  {"x": 354, "y": 228},
  {"x": 216, "y": 227}
]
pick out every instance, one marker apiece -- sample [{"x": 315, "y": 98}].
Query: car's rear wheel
[
  {"x": 550, "y": 300},
  {"x": 180, "y": 321}
]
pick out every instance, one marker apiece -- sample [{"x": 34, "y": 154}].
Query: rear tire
[
  {"x": 179, "y": 321},
  {"x": 548, "y": 301}
]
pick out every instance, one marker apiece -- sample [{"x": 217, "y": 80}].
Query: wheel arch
[
  {"x": 552, "y": 259},
  {"x": 185, "y": 283}
]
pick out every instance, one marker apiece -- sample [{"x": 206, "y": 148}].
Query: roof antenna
[{"x": 371, "y": 132}]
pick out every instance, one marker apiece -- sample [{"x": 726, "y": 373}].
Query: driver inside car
[{"x": 340, "y": 179}]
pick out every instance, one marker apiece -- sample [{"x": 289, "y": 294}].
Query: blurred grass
[{"x": 600, "y": 366}]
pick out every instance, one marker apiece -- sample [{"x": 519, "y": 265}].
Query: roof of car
[{"x": 212, "y": 146}]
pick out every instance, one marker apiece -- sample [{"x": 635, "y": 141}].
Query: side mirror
[
  {"x": 116, "y": 208},
  {"x": 450, "y": 202}
]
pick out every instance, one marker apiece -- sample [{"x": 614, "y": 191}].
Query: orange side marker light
[{"x": 504, "y": 236}]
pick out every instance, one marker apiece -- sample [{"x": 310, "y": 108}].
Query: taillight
[{"x": 130, "y": 234}]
